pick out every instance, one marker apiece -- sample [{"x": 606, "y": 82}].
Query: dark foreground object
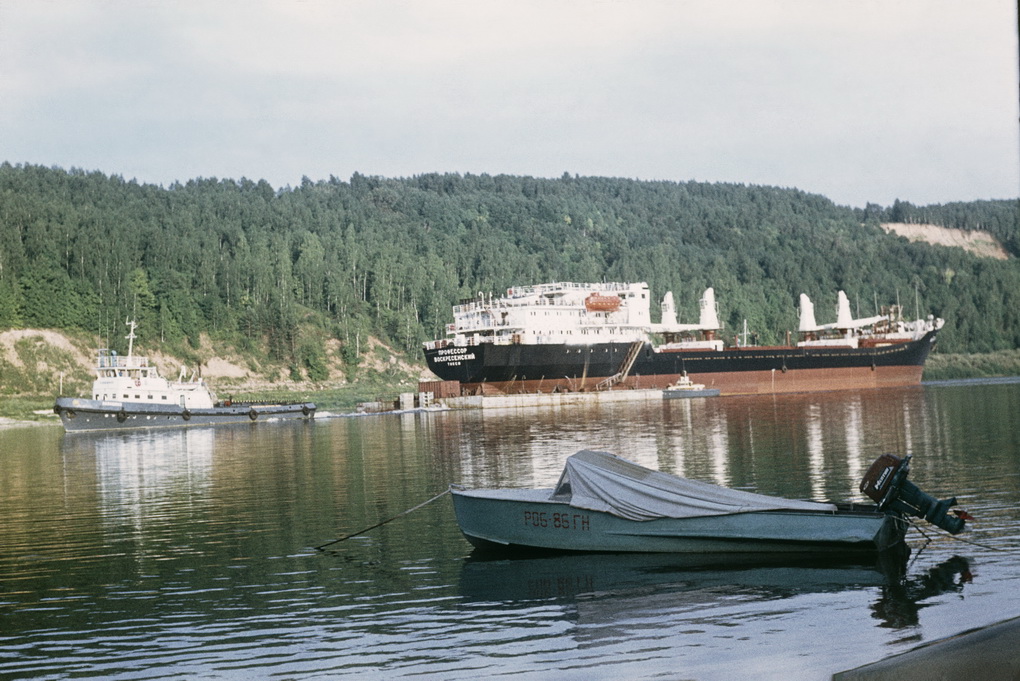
[{"x": 988, "y": 654}]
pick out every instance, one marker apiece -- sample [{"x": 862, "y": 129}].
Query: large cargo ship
[{"x": 588, "y": 337}]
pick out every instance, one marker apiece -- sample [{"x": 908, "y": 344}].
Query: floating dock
[{"x": 519, "y": 400}]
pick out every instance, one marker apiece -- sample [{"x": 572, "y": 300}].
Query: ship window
[
  {"x": 164, "y": 397},
  {"x": 126, "y": 397}
]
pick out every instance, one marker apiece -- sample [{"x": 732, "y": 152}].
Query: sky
[{"x": 858, "y": 100}]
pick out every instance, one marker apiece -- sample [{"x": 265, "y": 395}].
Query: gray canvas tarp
[{"x": 599, "y": 481}]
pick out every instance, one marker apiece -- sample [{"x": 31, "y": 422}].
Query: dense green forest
[{"x": 285, "y": 269}]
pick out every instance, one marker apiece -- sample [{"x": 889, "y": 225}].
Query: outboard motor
[{"x": 886, "y": 484}]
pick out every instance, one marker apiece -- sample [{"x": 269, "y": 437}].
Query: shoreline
[{"x": 6, "y": 423}]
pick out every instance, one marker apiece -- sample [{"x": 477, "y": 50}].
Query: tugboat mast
[{"x": 130, "y": 338}]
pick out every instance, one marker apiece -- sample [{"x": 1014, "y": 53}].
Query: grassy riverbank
[{"x": 942, "y": 367}]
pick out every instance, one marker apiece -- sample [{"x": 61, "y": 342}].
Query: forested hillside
[{"x": 255, "y": 266}]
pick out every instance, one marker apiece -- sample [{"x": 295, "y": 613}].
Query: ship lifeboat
[{"x": 597, "y": 302}]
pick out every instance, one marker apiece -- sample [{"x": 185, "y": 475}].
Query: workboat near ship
[
  {"x": 129, "y": 393},
  {"x": 603, "y": 503},
  {"x": 592, "y": 337},
  {"x": 685, "y": 388}
]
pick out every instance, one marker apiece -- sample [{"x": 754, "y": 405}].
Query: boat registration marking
[{"x": 558, "y": 521}]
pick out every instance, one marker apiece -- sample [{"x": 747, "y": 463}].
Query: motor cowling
[{"x": 887, "y": 485}]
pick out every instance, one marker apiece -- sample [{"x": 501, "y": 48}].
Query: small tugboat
[
  {"x": 603, "y": 503},
  {"x": 685, "y": 388},
  {"x": 129, "y": 393}
]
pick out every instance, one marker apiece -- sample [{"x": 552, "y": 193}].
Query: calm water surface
[{"x": 190, "y": 553}]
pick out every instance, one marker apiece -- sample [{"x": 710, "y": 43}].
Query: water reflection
[
  {"x": 902, "y": 599},
  {"x": 188, "y": 554},
  {"x": 606, "y": 588},
  {"x": 854, "y": 433},
  {"x": 569, "y": 577},
  {"x": 137, "y": 474},
  {"x": 809, "y": 446}
]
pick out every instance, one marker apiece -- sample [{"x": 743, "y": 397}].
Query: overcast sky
[{"x": 858, "y": 100}]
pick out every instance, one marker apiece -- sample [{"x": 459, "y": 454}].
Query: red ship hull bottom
[{"x": 728, "y": 383}]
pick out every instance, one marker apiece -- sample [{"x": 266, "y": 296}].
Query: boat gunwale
[{"x": 544, "y": 495}]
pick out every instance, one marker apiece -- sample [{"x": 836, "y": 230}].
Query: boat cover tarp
[{"x": 600, "y": 481}]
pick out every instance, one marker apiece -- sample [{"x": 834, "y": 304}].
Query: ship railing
[
  {"x": 524, "y": 291},
  {"x": 476, "y": 323},
  {"x": 515, "y": 294},
  {"x": 566, "y": 286},
  {"x": 502, "y": 304},
  {"x": 441, "y": 343},
  {"x": 121, "y": 362},
  {"x": 471, "y": 341}
]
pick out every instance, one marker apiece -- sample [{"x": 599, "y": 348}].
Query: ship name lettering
[{"x": 454, "y": 356}]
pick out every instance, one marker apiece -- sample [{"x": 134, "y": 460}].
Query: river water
[{"x": 175, "y": 554}]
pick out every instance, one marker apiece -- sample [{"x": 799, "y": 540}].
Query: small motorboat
[
  {"x": 603, "y": 503},
  {"x": 685, "y": 388}
]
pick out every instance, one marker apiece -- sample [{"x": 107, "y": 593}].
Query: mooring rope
[
  {"x": 959, "y": 539},
  {"x": 399, "y": 515}
]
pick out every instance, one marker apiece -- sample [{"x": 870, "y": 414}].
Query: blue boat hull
[{"x": 526, "y": 519}]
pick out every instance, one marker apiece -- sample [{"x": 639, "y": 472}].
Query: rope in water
[
  {"x": 399, "y": 515},
  {"x": 953, "y": 536}
]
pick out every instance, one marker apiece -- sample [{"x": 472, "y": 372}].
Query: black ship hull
[
  {"x": 83, "y": 414},
  {"x": 502, "y": 369}
]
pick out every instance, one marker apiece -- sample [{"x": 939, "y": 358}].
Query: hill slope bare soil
[
  {"x": 44, "y": 362},
  {"x": 977, "y": 242}
]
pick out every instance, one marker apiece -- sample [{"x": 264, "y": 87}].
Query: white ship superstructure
[
  {"x": 132, "y": 379},
  {"x": 571, "y": 313},
  {"x": 886, "y": 328}
]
